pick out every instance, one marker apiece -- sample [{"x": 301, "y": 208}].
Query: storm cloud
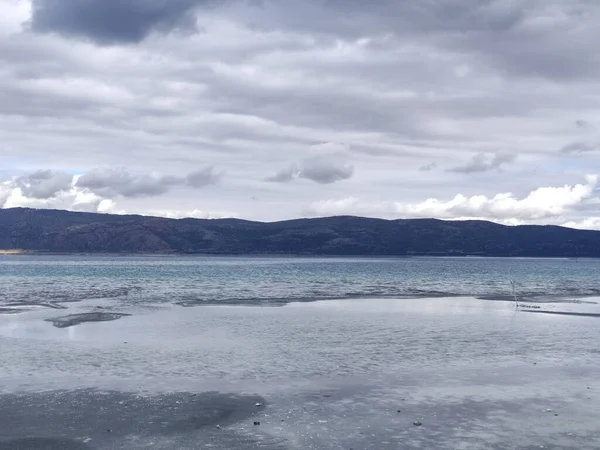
[{"x": 113, "y": 21}]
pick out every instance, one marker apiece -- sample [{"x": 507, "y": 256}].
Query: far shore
[{"x": 11, "y": 252}]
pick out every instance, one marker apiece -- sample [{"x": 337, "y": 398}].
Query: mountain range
[{"x": 33, "y": 230}]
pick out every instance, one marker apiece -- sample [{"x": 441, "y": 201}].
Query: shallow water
[
  {"x": 335, "y": 374},
  {"x": 194, "y": 281}
]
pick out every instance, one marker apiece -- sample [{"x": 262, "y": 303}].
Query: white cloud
[
  {"x": 589, "y": 223},
  {"x": 13, "y": 14},
  {"x": 5, "y": 192},
  {"x": 542, "y": 203},
  {"x": 194, "y": 214}
]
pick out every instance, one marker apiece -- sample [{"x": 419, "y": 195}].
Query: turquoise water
[{"x": 190, "y": 281}]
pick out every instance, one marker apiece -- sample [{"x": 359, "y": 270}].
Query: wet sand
[
  {"x": 349, "y": 374},
  {"x": 88, "y": 419}
]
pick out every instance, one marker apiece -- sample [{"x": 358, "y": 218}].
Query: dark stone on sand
[
  {"x": 256, "y": 423},
  {"x": 417, "y": 424},
  {"x": 76, "y": 319}
]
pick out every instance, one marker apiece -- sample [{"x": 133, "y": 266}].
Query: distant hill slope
[{"x": 72, "y": 232}]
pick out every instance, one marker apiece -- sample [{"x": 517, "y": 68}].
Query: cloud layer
[{"x": 264, "y": 108}]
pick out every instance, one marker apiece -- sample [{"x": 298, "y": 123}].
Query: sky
[{"x": 277, "y": 109}]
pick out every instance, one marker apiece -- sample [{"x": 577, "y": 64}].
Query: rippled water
[{"x": 239, "y": 280}]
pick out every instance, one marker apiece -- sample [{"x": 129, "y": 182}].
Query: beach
[{"x": 435, "y": 373}]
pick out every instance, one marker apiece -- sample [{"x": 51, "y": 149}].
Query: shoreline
[{"x": 20, "y": 252}]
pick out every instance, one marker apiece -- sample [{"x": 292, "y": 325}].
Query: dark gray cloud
[
  {"x": 484, "y": 163},
  {"x": 113, "y": 21},
  {"x": 579, "y": 147},
  {"x": 537, "y": 38},
  {"x": 512, "y": 36},
  {"x": 111, "y": 182},
  {"x": 583, "y": 124},
  {"x": 285, "y": 175},
  {"x": 203, "y": 177},
  {"x": 325, "y": 171},
  {"x": 43, "y": 184},
  {"x": 108, "y": 21},
  {"x": 318, "y": 169},
  {"x": 354, "y": 18},
  {"x": 428, "y": 167},
  {"x": 119, "y": 182}
]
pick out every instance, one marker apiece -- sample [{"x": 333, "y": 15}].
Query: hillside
[{"x": 72, "y": 232}]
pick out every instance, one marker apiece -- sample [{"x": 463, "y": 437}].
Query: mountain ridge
[{"x": 59, "y": 231}]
